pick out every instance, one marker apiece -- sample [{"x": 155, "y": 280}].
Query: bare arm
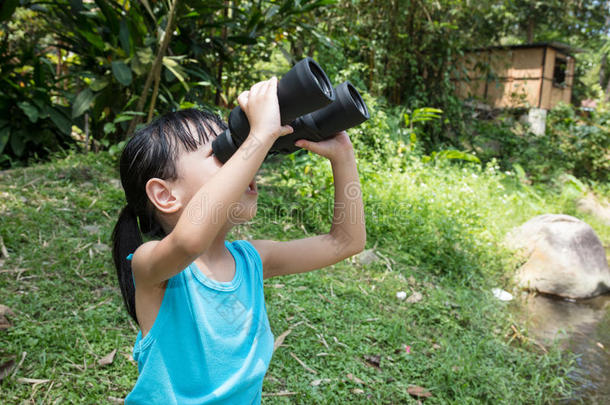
[
  {"x": 207, "y": 211},
  {"x": 347, "y": 235}
]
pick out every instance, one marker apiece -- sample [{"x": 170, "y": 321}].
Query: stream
[{"x": 582, "y": 327}]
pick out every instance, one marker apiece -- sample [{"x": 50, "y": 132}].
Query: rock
[
  {"x": 501, "y": 294},
  {"x": 564, "y": 257},
  {"x": 591, "y": 205},
  {"x": 367, "y": 256}
]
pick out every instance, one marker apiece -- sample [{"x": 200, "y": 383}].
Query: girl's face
[{"x": 197, "y": 167}]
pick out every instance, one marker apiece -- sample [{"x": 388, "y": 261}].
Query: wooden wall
[{"x": 514, "y": 77}]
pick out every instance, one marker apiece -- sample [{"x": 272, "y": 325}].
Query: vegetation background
[{"x": 442, "y": 185}]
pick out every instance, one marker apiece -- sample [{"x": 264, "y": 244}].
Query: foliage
[
  {"x": 575, "y": 142},
  {"x": 31, "y": 122},
  {"x": 106, "y": 48},
  {"x": 583, "y": 141}
]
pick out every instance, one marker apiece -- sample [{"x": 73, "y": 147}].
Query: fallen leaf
[
  {"x": 315, "y": 383},
  {"x": 601, "y": 346},
  {"x": 357, "y": 391},
  {"x": 4, "y": 322},
  {"x": 32, "y": 381},
  {"x": 126, "y": 352},
  {"x": 279, "y": 394},
  {"x": 93, "y": 229},
  {"x": 415, "y": 297},
  {"x": 355, "y": 379},
  {"x": 107, "y": 359},
  {"x": 3, "y": 250},
  {"x": 373, "y": 360},
  {"x": 116, "y": 400},
  {"x": 277, "y": 285},
  {"x": 418, "y": 392},
  {"x": 6, "y": 310},
  {"x": 6, "y": 368},
  {"x": 312, "y": 371},
  {"x": 436, "y": 346},
  {"x": 101, "y": 247},
  {"x": 280, "y": 339}
]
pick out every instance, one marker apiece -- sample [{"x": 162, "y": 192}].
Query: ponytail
[
  {"x": 152, "y": 152},
  {"x": 126, "y": 239}
]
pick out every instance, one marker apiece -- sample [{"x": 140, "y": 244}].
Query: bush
[{"x": 583, "y": 141}]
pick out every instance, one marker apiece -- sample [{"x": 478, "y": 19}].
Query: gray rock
[
  {"x": 591, "y": 205},
  {"x": 563, "y": 255},
  {"x": 367, "y": 256}
]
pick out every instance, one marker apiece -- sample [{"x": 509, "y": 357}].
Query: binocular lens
[
  {"x": 358, "y": 101},
  {"x": 321, "y": 79}
]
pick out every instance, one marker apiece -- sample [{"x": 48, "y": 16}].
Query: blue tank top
[{"x": 211, "y": 342}]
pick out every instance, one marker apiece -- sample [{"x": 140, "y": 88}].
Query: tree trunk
[
  {"x": 155, "y": 71},
  {"x": 602, "y": 70},
  {"x": 225, "y": 33},
  {"x": 530, "y": 30}
]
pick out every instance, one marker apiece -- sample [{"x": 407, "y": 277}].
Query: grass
[{"x": 435, "y": 229}]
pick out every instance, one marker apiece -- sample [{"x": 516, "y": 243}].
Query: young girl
[{"x": 198, "y": 299}]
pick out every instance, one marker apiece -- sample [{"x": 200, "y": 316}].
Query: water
[{"x": 582, "y": 327}]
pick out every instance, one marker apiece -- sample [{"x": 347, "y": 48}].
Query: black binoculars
[{"x": 308, "y": 103}]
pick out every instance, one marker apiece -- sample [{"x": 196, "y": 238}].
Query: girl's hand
[
  {"x": 335, "y": 148},
  {"x": 262, "y": 109}
]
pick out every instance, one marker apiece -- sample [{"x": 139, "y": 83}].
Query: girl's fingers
[
  {"x": 312, "y": 146},
  {"x": 271, "y": 86},
  {"x": 242, "y": 99},
  {"x": 285, "y": 130},
  {"x": 256, "y": 89}
]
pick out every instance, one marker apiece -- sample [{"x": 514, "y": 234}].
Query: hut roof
[{"x": 565, "y": 48}]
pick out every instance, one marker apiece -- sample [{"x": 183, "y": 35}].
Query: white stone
[
  {"x": 536, "y": 117},
  {"x": 501, "y": 294}
]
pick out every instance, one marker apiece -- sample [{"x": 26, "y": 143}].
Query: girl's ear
[{"x": 160, "y": 194}]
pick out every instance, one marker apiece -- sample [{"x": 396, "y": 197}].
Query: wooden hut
[{"x": 531, "y": 76}]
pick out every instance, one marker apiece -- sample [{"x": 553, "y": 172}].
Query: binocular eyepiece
[{"x": 308, "y": 103}]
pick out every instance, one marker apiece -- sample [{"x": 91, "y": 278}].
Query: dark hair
[{"x": 152, "y": 153}]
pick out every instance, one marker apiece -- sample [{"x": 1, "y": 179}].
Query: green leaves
[
  {"x": 62, "y": 122},
  {"x": 423, "y": 115},
  {"x": 171, "y": 63},
  {"x": 7, "y": 9},
  {"x": 122, "y": 72},
  {"x": 82, "y": 102},
  {"x": 5, "y": 133},
  {"x": 29, "y": 110},
  {"x": 455, "y": 154}
]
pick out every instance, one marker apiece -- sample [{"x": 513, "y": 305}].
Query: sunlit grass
[{"x": 436, "y": 230}]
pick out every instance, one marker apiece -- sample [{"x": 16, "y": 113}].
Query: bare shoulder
[
  {"x": 140, "y": 266},
  {"x": 263, "y": 247}
]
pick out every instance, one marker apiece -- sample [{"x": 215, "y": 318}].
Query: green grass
[{"x": 437, "y": 231}]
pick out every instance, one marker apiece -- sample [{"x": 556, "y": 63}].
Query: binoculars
[{"x": 308, "y": 103}]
